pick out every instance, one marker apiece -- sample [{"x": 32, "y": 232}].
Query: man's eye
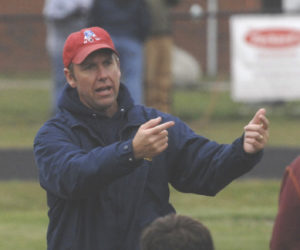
[
  {"x": 88, "y": 66},
  {"x": 107, "y": 62}
]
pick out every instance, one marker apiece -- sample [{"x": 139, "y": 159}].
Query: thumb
[
  {"x": 151, "y": 123},
  {"x": 256, "y": 118}
]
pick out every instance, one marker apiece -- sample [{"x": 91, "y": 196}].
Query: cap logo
[{"x": 90, "y": 36}]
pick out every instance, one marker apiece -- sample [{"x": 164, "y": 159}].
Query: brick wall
[
  {"x": 22, "y": 32},
  {"x": 21, "y": 6}
]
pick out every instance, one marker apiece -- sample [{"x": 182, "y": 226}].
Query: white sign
[{"x": 265, "y": 57}]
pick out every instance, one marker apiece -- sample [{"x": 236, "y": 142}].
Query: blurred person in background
[
  {"x": 286, "y": 229},
  {"x": 128, "y": 23},
  {"x": 176, "y": 232},
  {"x": 106, "y": 163},
  {"x": 158, "y": 75},
  {"x": 62, "y": 17}
]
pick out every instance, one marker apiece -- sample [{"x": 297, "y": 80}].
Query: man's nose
[{"x": 102, "y": 74}]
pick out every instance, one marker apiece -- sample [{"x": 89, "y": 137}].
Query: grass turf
[
  {"x": 240, "y": 217},
  {"x": 25, "y": 106}
]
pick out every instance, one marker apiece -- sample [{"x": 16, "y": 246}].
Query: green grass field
[
  {"x": 240, "y": 217},
  {"x": 25, "y": 106}
]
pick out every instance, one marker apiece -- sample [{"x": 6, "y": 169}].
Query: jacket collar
[{"x": 70, "y": 105}]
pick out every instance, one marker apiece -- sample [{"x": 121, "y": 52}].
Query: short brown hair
[{"x": 176, "y": 232}]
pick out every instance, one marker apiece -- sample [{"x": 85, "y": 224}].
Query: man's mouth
[{"x": 103, "y": 89}]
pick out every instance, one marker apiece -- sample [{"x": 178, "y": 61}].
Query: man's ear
[
  {"x": 70, "y": 77},
  {"x": 118, "y": 64}
]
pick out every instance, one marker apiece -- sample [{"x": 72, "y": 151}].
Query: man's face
[{"x": 97, "y": 80}]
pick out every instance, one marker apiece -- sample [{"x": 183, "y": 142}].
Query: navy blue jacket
[{"x": 99, "y": 196}]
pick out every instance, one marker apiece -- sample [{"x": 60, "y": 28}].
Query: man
[
  {"x": 176, "y": 232},
  {"x": 106, "y": 163}
]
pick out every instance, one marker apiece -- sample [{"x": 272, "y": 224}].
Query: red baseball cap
[{"x": 82, "y": 43}]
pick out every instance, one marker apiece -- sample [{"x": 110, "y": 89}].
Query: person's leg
[
  {"x": 164, "y": 75},
  {"x": 59, "y": 79},
  {"x": 131, "y": 61},
  {"x": 151, "y": 63},
  {"x": 158, "y": 80},
  {"x": 55, "y": 42}
]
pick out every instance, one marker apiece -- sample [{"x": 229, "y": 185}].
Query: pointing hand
[
  {"x": 151, "y": 138},
  {"x": 256, "y": 132}
]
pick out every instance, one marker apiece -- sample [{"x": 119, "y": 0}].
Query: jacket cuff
[
  {"x": 127, "y": 155},
  {"x": 254, "y": 158}
]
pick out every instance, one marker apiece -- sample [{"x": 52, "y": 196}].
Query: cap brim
[{"x": 85, "y": 51}]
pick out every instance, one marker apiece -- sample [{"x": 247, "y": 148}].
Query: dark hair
[
  {"x": 176, "y": 232},
  {"x": 108, "y": 52},
  {"x": 71, "y": 69}
]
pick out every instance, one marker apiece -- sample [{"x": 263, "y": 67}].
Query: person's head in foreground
[
  {"x": 92, "y": 67},
  {"x": 176, "y": 232}
]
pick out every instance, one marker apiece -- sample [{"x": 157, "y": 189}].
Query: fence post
[{"x": 212, "y": 38}]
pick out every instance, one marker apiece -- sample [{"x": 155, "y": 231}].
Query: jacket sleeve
[
  {"x": 68, "y": 171},
  {"x": 285, "y": 233},
  {"x": 203, "y": 166}
]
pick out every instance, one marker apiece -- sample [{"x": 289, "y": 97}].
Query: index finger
[{"x": 157, "y": 129}]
